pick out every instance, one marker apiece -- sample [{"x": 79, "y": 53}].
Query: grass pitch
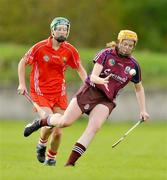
[{"x": 141, "y": 156}]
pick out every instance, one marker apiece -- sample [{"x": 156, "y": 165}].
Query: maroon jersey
[{"x": 119, "y": 68}]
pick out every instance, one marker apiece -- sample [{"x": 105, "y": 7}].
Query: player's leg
[
  {"x": 42, "y": 142},
  {"x": 54, "y": 143},
  {"x": 71, "y": 114},
  {"x": 96, "y": 118}
]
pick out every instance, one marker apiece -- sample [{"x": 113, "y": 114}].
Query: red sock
[
  {"x": 42, "y": 142},
  {"x": 77, "y": 151},
  {"x": 51, "y": 154}
]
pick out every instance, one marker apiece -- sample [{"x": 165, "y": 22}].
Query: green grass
[{"x": 142, "y": 156}]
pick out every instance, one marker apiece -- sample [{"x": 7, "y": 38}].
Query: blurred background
[{"x": 93, "y": 24}]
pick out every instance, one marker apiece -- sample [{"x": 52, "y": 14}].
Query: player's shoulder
[
  {"x": 104, "y": 52},
  {"x": 40, "y": 44},
  {"x": 35, "y": 48},
  {"x": 134, "y": 60},
  {"x": 69, "y": 46}
]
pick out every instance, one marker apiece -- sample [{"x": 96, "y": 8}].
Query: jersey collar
[{"x": 49, "y": 42}]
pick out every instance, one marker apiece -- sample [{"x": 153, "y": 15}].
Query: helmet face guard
[
  {"x": 60, "y": 21},
  {"x": 127, "y": 34}
]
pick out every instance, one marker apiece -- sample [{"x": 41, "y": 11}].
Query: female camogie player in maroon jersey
[{"x": 113, "y": 69}]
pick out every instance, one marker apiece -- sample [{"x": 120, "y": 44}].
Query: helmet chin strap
[
  {"x": 121, "y": 54},
  {"x": 60, "y": 39}
]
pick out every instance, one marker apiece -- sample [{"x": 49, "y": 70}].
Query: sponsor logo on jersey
[
  {"x": 111, "y": 62},
  {"x": 127, "y": 69},
  {"x": 54, "y": 56},
  {"x": 119, "y": 78},
  {"x": 46, "y": 58}
]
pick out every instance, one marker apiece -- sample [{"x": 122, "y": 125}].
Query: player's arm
[
  {"x": 139, "y": 90},
  {"x": 21, "y": 76},
  {"x": 81, "y": 72},
  {"x": 94, "y": 77}
]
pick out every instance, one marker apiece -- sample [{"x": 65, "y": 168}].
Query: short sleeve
[
  {"x": 137, "y": 77},
  {"x": 29, "y": 56},
  {"x": 100, "y": 57}
]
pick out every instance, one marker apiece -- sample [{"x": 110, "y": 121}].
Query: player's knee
[
  {"x": 57, "y": 133},
  {"x": 64, "y": 123}
]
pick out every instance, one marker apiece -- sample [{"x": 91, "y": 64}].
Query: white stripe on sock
[{"x": 78, "y": 150}]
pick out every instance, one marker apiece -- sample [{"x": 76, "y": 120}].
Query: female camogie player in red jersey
[
  {"x": 49, "y": 60},
  {"x": 113, "y": 69}
]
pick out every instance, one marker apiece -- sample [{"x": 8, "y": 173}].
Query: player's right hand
[
  {"x": 21, "y": 89},
  {"x": 106, "y": 79}
]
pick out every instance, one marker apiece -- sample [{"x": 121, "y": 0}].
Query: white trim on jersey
[
  {"x": 36, "y": 80},
  {"x": 98, "y": 55}
]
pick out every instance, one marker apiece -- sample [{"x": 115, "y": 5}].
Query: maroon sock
[{"x": 77, "y": 151}]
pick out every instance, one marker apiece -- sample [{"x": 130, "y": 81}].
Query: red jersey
[{"x": 48, "y": 66}]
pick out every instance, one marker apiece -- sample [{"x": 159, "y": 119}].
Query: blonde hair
[{"x": 111, "y": 44}]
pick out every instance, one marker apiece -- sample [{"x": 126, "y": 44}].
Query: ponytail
[{"x": 111, "y": 44}]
